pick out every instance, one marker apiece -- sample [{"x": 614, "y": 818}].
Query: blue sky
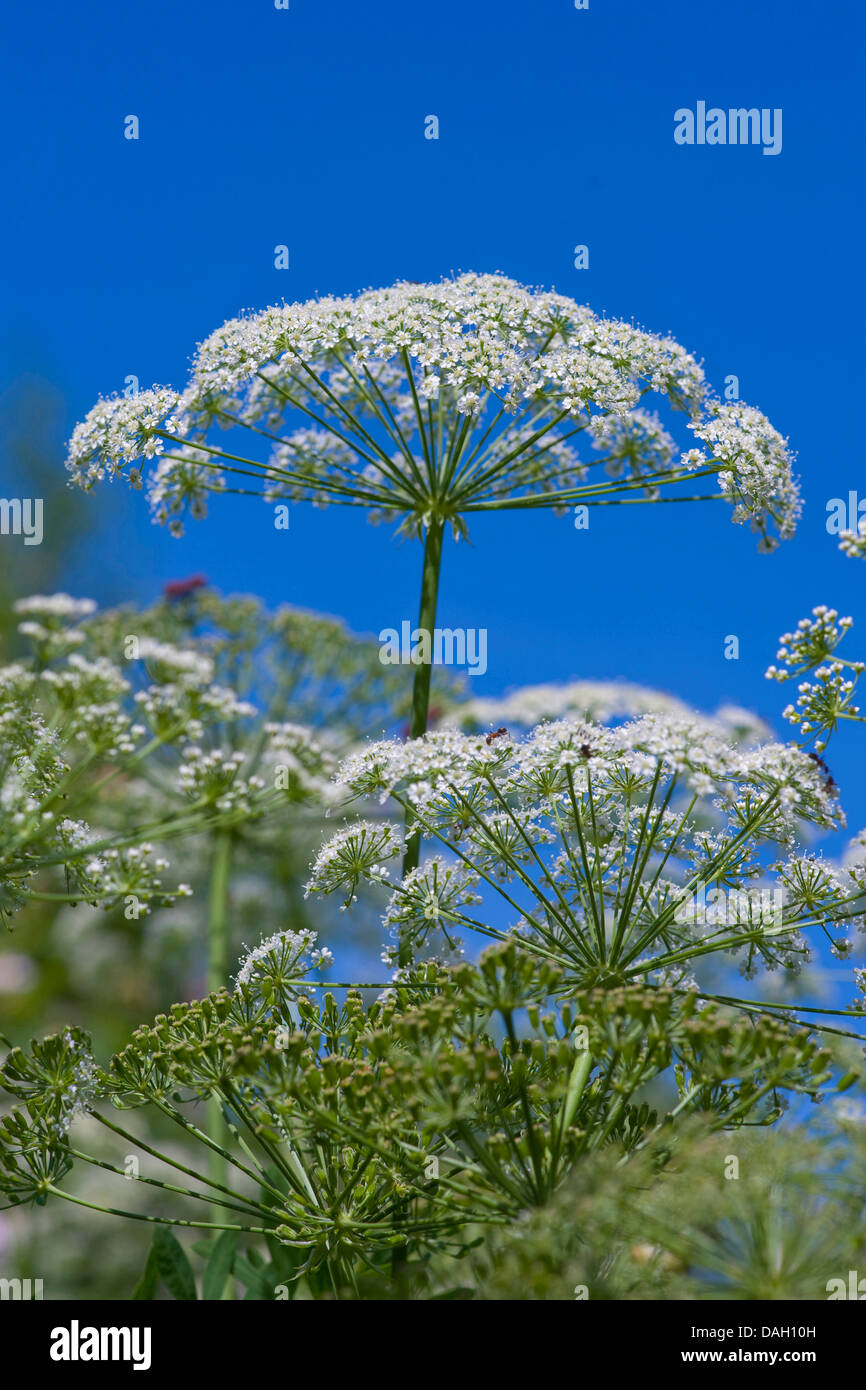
[{"x": 305, "y": 127}]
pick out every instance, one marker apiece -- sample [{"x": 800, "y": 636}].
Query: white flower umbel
[
  {"x": 76, "y": 1093},
  {"x": 179, "y": 487},
  {"x": 51, "y": 622},
  {"x": 359, "y": 851},
  {"x": 755, "y": 465},
  {"x": 601, "y": 702},
  {"x": 278, "y": 967},
  {"x": 598, "y": 840},
  {"x": 431, "y": 402},
  {"x": 828, "y": 699},
  {"x": 118, "y": 431},
  {"x": 55, "y": 606},
  {"x": 297, "y": 761},
  {"x": 424, "y": 404},
  {"x": 175, "y": 662},
  {"x": 853, "y": 543},
  {"x": 87, "y": 799},
  {"x": 429, "y": 900}
]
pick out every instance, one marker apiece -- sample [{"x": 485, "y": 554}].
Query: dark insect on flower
[
  {"x": 495, "y": 733},
  {"x": 182, "y": 588},
  {"x": 586, "y": 750},
  {"x": 829, "y": 779}
]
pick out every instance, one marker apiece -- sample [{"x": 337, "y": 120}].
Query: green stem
[
  {"x": 218, "y": 916},
  {"x": 217, "y": 978},
  {"x": 427, "y": 622},
  {"x": 421, "y": 683},
  {"x": 156, "y": 1220},
  {"x": 417, "y": 727}
]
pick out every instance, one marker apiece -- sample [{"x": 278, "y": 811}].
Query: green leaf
[
  {"x": 173, "y": 1265},
  {"x": 260, "y": 1284},
  {"x": 147, "y": 1285},
  {"x": 219, "y": 1266}
]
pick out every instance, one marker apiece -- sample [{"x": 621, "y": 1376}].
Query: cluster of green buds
[{"x": 459, "y": 1098}]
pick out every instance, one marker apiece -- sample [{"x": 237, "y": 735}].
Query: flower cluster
[
  {"x": 634, "y": 445},
  {"x": 281, "y": 962},
  {"x": 62, "y": 717},
  {"x": 829, "y": 697},
  {"x": 121, "y": 430},
  {"x": 424, "y": 403},
  {"x": 124, "y": 720},
  {"x": 297, "y": 762},
  {"x": 853, "y": 543},
  {"x": 355, "y": 852},
  {"x": 600, "y": 702},
  {"x": 212, "y": 776},
  {"x": 590, "y": 839},
  {"x": 179, "y": 487},
  {"x": 427, "y": 902},
  {"x": 755, "y": 468}
]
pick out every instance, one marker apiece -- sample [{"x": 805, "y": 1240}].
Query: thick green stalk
[
  {"x": 217, "y": 978},
  {"x": 427, "y": 622},
  {"x": 218, "y": 915},
  {"x": 421, "y": 682},
  {"x": 417, "y": 727}
]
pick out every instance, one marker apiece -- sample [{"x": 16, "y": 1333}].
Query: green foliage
[
  {"x": 759, "y": 1215},
  {"x": 452, "y": 1106}
]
